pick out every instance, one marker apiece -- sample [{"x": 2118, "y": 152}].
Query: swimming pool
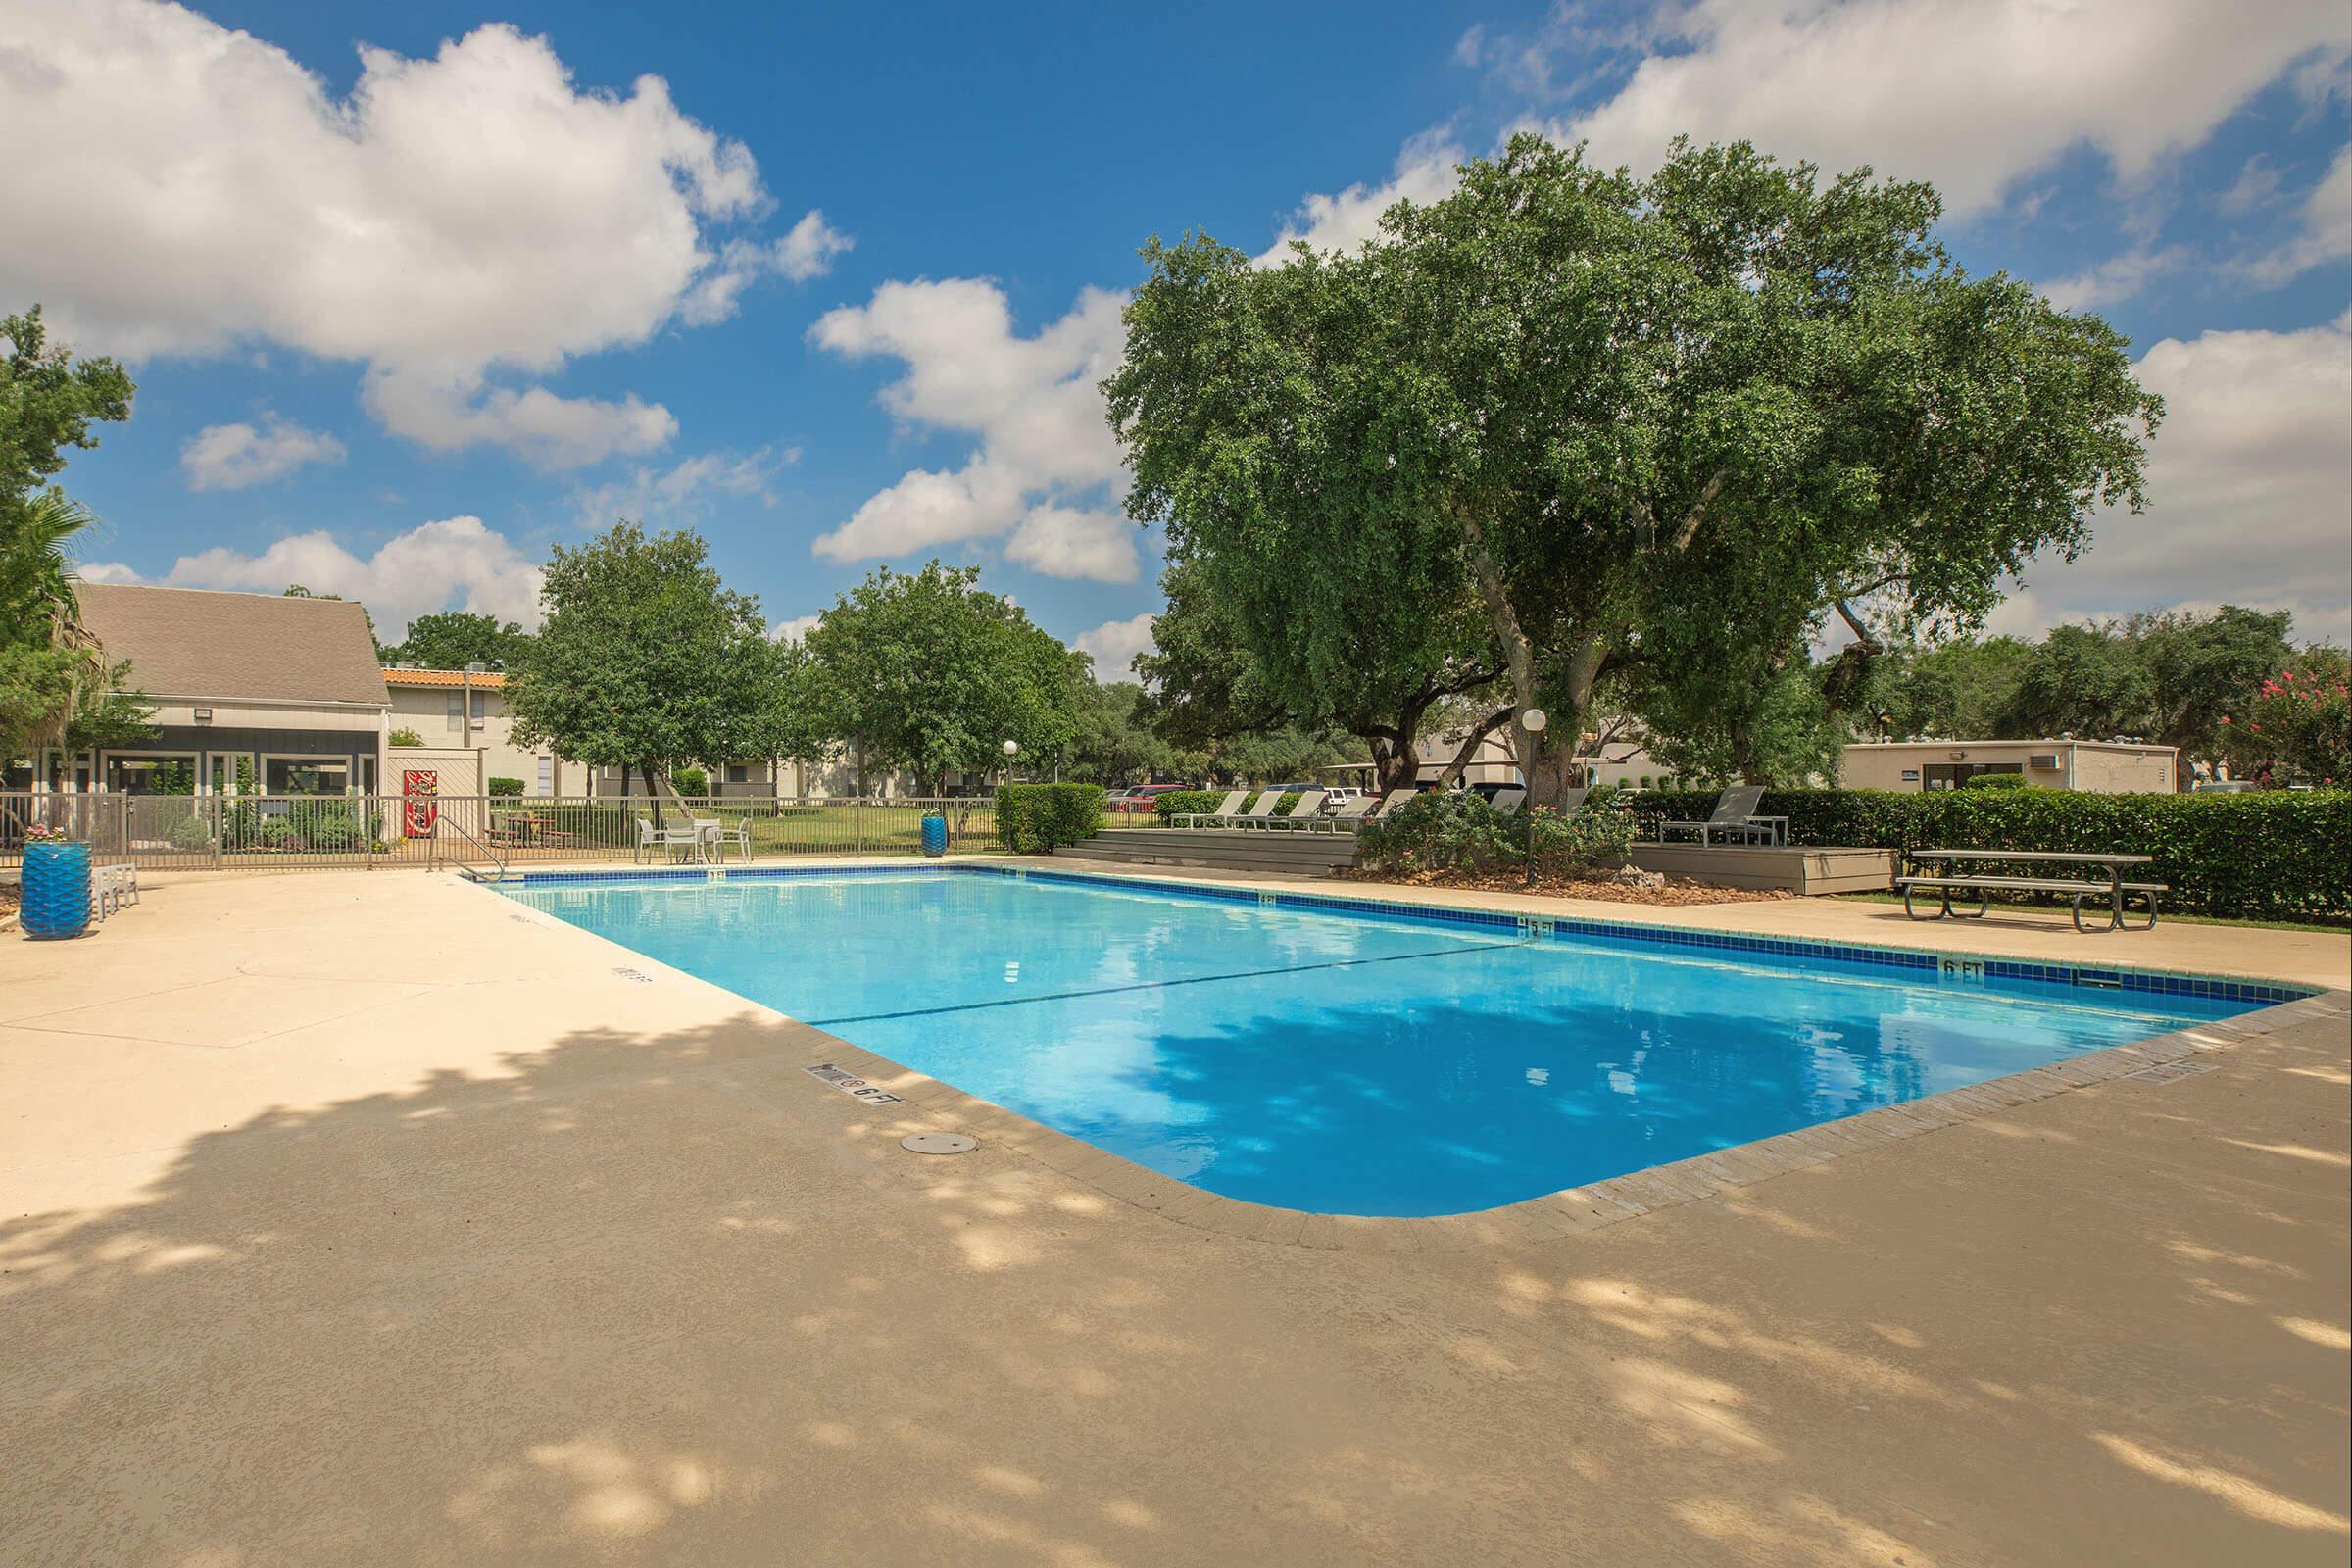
[{"x": 1359, "y": 1059}]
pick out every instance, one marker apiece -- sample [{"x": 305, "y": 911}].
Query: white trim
[{"x": 214, "y": 699}]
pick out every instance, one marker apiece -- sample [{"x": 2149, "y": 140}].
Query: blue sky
[{"x": 834, "y": 289}]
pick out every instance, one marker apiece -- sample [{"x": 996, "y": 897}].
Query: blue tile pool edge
[
  {"x": 1544, "y": 1218},
  {"x": 2112, "y": 977}
]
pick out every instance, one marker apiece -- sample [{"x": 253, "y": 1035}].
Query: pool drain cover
[{"x": 939, "y": 1143}]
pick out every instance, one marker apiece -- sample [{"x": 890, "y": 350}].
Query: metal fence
[{"x": 298, "y": 832}]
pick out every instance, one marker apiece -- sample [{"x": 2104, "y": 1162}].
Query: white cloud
[
  {"x": 199, "y": 192},
  {"x": 2324, "y": 234},
  {"x": 2118, "y": 277},
  {"x": 2256, "y": 187},
  {"x": 1114, "y": 645},
  {"x": 1032, "y": 403},
  {"x": 807, "y": 252},
  {"x": 793, "y": 629},
  {"x": 686, "y": 490},
  {"x": 1066, "y": 542},
  {"x": 231, "y": 456},
  {"x": 1424, "y": 172},
  {"x": 1970, "y": 94},
  {"x": 103, "y": 571},
  {"x": 2250, "y": 487},
  {"x": 457, "y": 563}
]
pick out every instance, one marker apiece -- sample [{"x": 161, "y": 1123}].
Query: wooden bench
[{"x": 1984, "y": 887}]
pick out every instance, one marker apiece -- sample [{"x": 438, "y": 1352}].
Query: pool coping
[{"x": 1546, "y": 1217}]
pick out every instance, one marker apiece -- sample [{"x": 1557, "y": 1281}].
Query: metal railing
[{"x": 298, "y": 832}]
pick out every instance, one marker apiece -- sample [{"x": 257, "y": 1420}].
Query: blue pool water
[{"x": 1343, "y": 1063}]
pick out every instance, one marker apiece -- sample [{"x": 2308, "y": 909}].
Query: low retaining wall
[{"x": 1799, "y": 869}]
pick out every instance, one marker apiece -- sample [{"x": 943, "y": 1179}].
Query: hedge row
[
  {"x": 2268, "y": 855},
  {"x": 1033, "y": 818},
  {"x": 1188, "y": 803}
]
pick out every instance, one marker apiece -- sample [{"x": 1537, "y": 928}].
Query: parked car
[
  {"x": 1139, "y": 800},
  {"x": 1337, "y": 794}
]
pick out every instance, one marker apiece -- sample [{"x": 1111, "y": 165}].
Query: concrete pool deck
[{"x": 371, "y": 1218}]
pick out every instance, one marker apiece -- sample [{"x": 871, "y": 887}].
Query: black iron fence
[{"x": 292, "y": 832}]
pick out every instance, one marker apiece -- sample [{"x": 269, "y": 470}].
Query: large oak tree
[{"x": 1676, "y": 420}]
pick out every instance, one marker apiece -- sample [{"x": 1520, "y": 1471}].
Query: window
[
  {"x": 156, "y": 773},
  {"x": 456, "y": 714},
  {"x": 547, "y": 775},
  {"x": 306, "y": 775},
  {"x": 481, "y": 705},
  {"x": 739, "y": 774}
]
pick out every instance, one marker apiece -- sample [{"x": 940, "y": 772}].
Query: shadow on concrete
[{"x": 664, "y": 1300}]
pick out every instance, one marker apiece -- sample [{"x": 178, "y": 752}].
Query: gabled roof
[
  {"x": 186, "y": 642},
  {"x": 480, "y": 680}
]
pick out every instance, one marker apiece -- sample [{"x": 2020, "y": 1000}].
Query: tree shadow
[{"x": 663, "y": 1300}]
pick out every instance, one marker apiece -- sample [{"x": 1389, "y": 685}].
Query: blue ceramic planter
[
  {"x": 56, "y": 889},
  {"x": 935, "y": 835}
]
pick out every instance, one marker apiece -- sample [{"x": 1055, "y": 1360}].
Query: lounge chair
[
  {"x": 1507, "y": 801},
  {"x": 1735, "y": 817},
  {"x": 1259, "y": 810},
  {"x": 1574, "y": 799},
  {"x": 1231, "y": 803},
  {"x": 1353, "y": 809},
  {"x": 1305, "y": 811}
]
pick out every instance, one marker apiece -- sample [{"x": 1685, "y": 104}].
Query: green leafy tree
[
  {"x": 49, "y": 664},
  {"x": 928, "y": 672},
  {"x": 1731, "y": 393},
  {"x": 644, "y": 659},
  {"x": 456, "y": 638},
  {"x": 1256, "y": 409},
  {"x": 1115, "y": 742},
  {"x": 2199, "y": 667},
  {"x": 2082, "y": 681},
  {"x": 1964, "y": 688}
]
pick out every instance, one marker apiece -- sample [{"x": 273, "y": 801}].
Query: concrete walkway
[{"x": 367, "y": 1219}]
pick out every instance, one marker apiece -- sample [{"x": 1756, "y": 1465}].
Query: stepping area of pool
[{"x": 372, "y": 1218}]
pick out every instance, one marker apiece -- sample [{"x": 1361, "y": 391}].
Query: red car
[{"x": 1140, "y": 800}]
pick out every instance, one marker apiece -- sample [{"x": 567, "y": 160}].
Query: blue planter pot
[
  {"x": 56, "y": 889},
  {"x": 935, "y": 835}
]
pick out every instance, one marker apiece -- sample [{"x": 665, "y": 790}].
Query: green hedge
[
  {"x": 1032, "y": 818},
  {"x": 1187, "y": 802},
  {"x": 2266, "y": 855}
]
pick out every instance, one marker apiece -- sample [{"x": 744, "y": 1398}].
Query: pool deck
[{"x": 369, "y": 1218}]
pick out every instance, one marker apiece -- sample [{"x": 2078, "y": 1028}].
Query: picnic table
[{"x": 2098, "y": 876}]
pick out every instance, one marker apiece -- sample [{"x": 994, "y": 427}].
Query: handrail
[{"x": 497, "y": 860}]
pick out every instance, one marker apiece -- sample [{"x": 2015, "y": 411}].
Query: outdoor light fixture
[
  {"x": 204, "y": 716},
  {"x": 1531, "y": 721}
]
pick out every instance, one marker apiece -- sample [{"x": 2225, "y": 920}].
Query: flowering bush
[
  {"x": 43, "y": 833},
  {"x": 2300, "y": 722}
]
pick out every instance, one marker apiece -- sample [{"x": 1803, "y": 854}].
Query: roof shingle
[{"x": 186, "y": 642}]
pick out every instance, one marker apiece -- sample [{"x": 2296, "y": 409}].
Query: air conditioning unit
[{"x": 2044, "y": 760}]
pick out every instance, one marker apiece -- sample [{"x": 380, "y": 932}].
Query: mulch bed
[{"x": 1677, "y": 891}]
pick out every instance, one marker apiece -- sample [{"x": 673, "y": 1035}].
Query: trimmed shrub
[
  {"x": 1448, "y": 830},
  {"x": 1185, "y": 803},
  {"x": 685, "y": 781},
  {"x": 1997, "y": 781},
  {"x": 1034, "y": 819},
  {"x": 506, "y": 786},
  {"x": 2275, "y": 854},
  {"x": 190, "y": 833}
]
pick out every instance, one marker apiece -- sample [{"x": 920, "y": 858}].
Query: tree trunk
[
  {"x": 653, "y": 796},
  {"x": 1469, "y": 746}
]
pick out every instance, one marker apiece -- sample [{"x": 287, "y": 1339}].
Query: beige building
[
  {"x": 2098, "y": 767},
  {"x": 286, "y": 692},
  {"x": 465, "y": 710}
]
